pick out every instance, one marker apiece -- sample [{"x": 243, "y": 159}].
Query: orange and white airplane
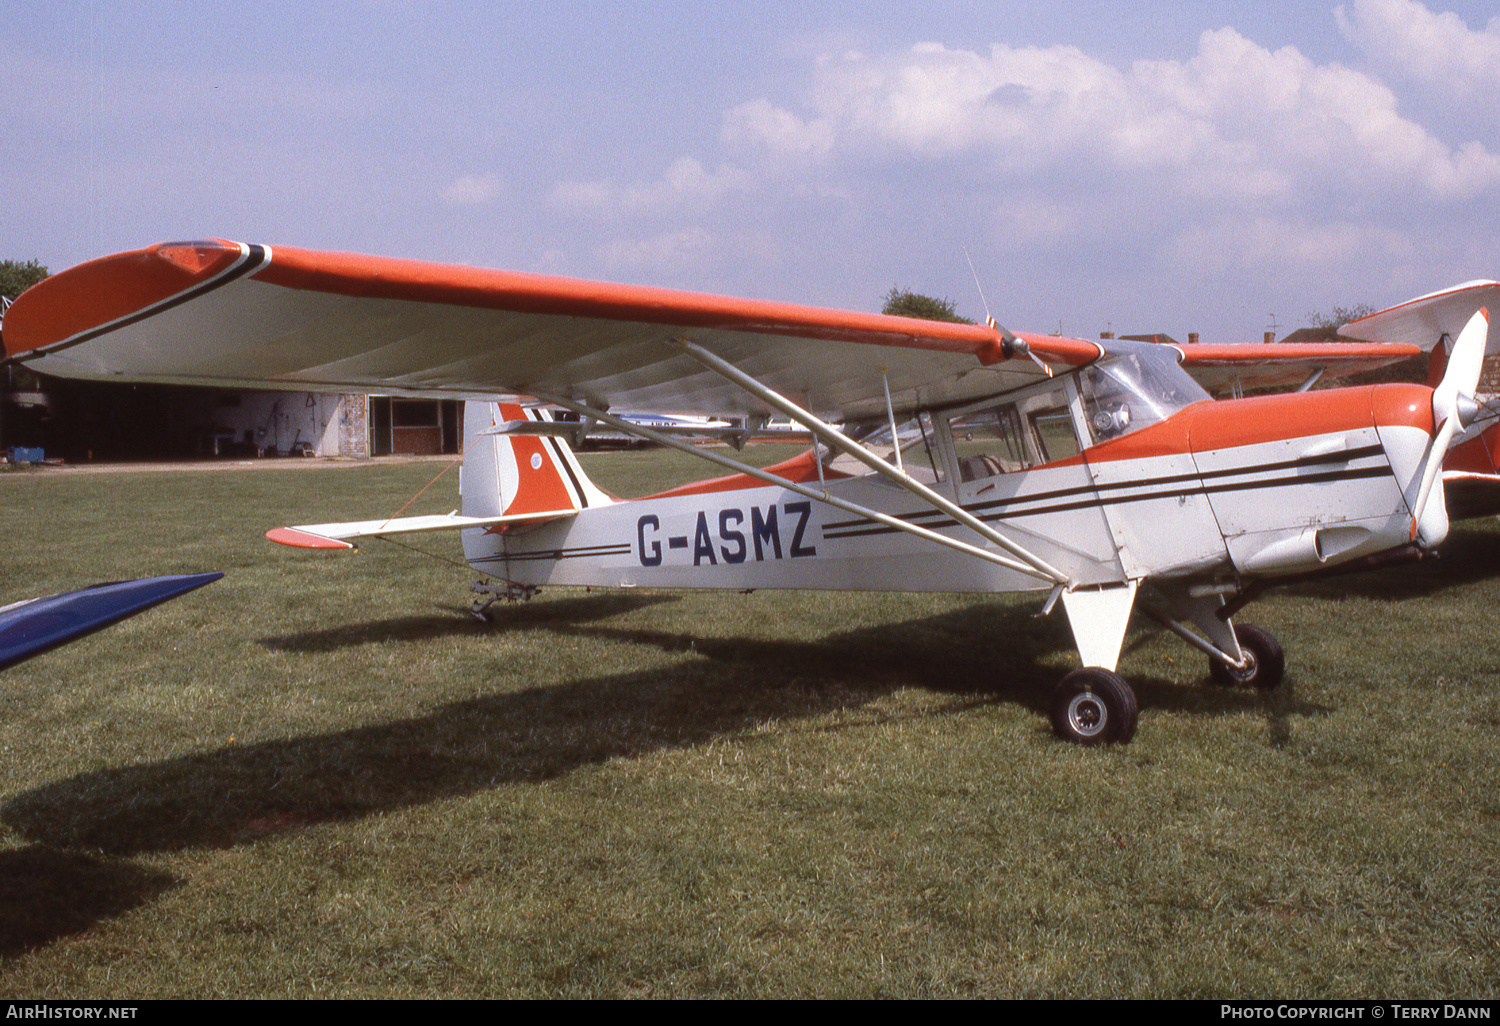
[{"x": 966, "y": 457}]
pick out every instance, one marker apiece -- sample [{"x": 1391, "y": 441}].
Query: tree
[
  {"x": 1340, "y": 316},
  {"x": 16, "y": 277},
  {"x": 903, "y": 303}
]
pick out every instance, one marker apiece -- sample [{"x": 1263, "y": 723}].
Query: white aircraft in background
[{"x": 971, "y": 458}]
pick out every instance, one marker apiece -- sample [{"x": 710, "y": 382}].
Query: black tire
[
  {"x": 1094, "y": 707},
  {"x": 1267, "y": 664}
]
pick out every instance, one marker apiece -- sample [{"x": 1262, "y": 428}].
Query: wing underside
[{"x": 232, "y": 315}]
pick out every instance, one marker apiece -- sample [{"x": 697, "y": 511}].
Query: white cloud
[
  {"x": 760, "y": 124},
  {"x": 666, "y": 251},
  {"x": 1235, "y": 122},
  {"x": 1108, "y": 188},
  {"x": 1437, "y": 50},
  {"x": 686, "y": 187},
  {"x": 1302, "y": 246},
  {"x": 472, "y": 190}
]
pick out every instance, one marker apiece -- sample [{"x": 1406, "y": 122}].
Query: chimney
[
  {"x": 1270, "y": 337},
  {"x": 1192, "y": 338},
  {"x": 1106, "y": 335}
]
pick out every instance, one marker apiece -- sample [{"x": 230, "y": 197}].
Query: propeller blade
[
  {"x": 1464, "y": 364},
  {"x": 1453, "y": 405}
]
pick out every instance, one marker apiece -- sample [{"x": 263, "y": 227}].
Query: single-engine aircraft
[{"x": 966, "y": 457}]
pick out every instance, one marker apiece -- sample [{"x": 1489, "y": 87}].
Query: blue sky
[{"x": 1196, "y": 166}]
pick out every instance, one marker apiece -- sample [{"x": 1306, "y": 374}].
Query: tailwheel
[
  {"x": 1093, "y": 706},
  {"x": 1265, "y": 663}
]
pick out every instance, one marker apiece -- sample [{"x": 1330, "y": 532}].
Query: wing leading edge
[
  {"x": 34, "y": 626},
  {"x": 229, "y": 314}
]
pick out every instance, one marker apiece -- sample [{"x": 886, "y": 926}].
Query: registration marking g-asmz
[{"x": 732, "y": 535}]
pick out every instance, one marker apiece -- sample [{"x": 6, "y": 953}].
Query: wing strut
[
  {"x": 836, "y": 439},
  {"x": 855, "y": 508}
]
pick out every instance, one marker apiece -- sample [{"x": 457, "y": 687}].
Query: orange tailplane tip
[{"x": 303, "y": 540}]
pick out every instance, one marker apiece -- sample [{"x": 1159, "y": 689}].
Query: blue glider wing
[{"x": 33, "y": 626}]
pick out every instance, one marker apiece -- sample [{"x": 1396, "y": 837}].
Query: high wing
[
  {"x": 1222, "y": 369},
  {"x": 228, "y": 314}
]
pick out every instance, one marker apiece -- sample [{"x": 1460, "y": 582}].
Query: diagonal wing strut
[
  {"x": 855, "y": 508},
  {"x": 836, "y": 439}
]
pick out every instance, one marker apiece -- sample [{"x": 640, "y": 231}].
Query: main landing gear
[{"x": 1094, "y": 706}]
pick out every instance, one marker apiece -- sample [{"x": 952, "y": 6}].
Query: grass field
[{"x": 321, "y": 777}]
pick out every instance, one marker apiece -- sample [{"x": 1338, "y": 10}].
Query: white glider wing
[{"x": 1423, "y": 321}]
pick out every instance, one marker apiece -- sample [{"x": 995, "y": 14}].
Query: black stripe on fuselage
[
  {"x": 1091, "y": 495},
  {"x": 555, "y": 555}
]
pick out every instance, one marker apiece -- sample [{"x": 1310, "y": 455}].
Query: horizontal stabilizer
[
  {"x": 33, "y": 626},
  {"x": 336, "y": 536}
]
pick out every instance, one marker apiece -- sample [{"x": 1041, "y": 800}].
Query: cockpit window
[
  {"x": 1025, "y": 432},
  {"x": 1125, "y": 392}
]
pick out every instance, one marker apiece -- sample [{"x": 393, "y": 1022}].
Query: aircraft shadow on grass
[
  {"x": 238, "y": 794},
  {"x": 47, "y": 894},
  {"x": 446, "y": 624}
]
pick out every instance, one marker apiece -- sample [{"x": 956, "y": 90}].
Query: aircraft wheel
[
  {"x": 1267, "y": 665},
  {"x": 1092, "y": 706}
]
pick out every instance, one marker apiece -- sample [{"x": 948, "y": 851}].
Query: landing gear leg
[{"x": 1093, "y": 706}]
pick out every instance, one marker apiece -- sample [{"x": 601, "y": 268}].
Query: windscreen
[{"x": 1127, "y": 391}]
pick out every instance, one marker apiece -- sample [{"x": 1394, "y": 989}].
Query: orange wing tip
[
  {"x": 302, "y": 540},
  {"x": 92, "y": 295}
]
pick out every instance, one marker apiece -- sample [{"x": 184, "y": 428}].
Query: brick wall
[{"x": 354, "y": 427}]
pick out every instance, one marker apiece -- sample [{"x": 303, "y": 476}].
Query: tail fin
[
  {"x": 515, "y": 471},
  {"x": 515, "y": 463}
]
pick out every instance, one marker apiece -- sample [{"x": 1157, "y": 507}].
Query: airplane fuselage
[{"x": 1216, "y": 488}]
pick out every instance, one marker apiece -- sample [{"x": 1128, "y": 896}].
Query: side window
[
  {"x": 1055, "y": 436},
  {"x": 914, "y": 439},
  {"x": 1014, "y": 435},
  {"x": 989, "y": 442}
]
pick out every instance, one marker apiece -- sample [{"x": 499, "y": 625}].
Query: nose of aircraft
[
  {"x": 1305, "y": 480},
  {"x": 1403, "y": 416}
]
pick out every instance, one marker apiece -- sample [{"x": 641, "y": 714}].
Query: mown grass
[{"x": 320, "y": 776}]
